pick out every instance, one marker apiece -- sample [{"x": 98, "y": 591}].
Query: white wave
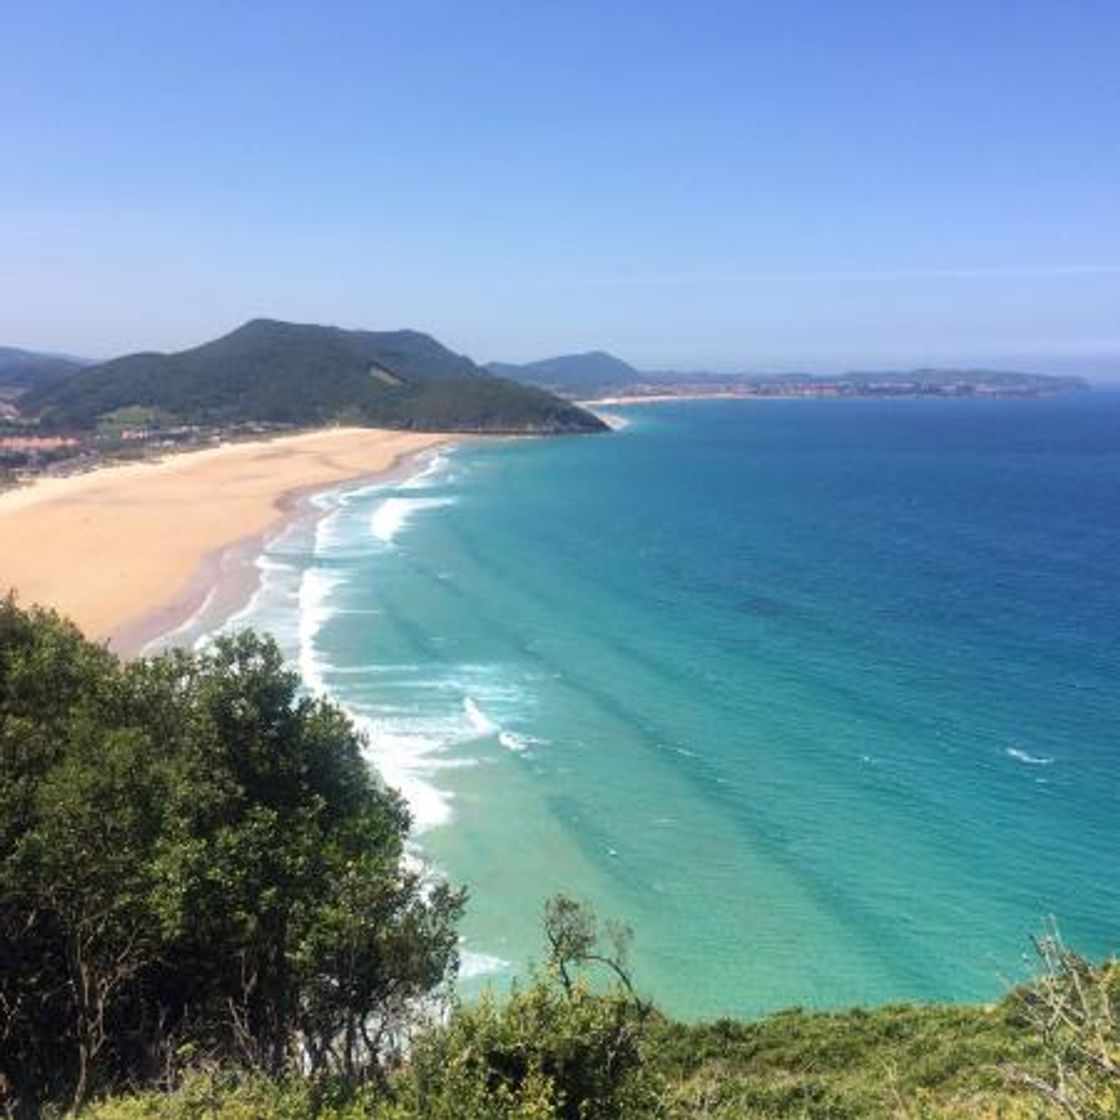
[
  {"x": 411, "y": 744},
  {"x": 173, "y": 637},
  {"x": 418, "y": 723},
  {"x": 386, "y": 669},
  {"x": 478, "y": 719},
  {"x": 315, "y": 589},
  {"x": 407, "y": 758},
  {"x": 393, "y": 514},
  {"x": 1028, "y": 759},
  {"x": 436, "y": 465},
  {"x": 355, "y": 494},
  {"x": 331, "y": 528},
  {"x": 472, "y": 965},
  {"x": 269, "y": 574},
  {"x": 489, "y": 680}
]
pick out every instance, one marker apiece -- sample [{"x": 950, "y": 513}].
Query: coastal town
[{"x": 26, "y": 454}]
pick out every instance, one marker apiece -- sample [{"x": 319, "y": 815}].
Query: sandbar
[{"x": 122, "y": 550}]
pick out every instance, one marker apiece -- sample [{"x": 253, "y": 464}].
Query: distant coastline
[
  {"x": 661, "y": 395},
  {"x": 597, "y": 376},
  {"x": 833, "y": 389}
]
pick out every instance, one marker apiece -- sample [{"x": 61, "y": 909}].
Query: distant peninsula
[{"x": 596, "y": 375}]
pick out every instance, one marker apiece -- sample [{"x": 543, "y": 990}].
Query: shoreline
[
  {"x": 135, "y": 553},
  {"x": 228, "y": 577}
]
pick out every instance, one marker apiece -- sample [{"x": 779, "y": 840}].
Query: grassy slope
[
  {"x": 930, "y": 1062},
  {"x": 891, "y": 1062}
]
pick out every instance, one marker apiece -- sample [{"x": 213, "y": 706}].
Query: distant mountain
[
  {"x": 21, "y": 370},
  {"x": 277, "y": 372},
  {"x": 586, "y": 374}
]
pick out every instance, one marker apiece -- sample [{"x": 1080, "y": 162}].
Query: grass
[{"x": 905, "y": 1062}]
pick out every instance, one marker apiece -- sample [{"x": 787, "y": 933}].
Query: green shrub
[
  {"x": 545, "y": 1052},
  {"x": 243, "y": 1097}
]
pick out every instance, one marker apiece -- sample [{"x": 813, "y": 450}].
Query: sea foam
[
  {"x": 314, "y": 610},
  {"x": 473, "y": 965},
  {"x": 394, "y": 513},
  {"x": 407, "y": 755},
  {"x": 477, "y": 718},
  {"x": 418, "y": 718},
  {"x": 1028, "y": 759}
]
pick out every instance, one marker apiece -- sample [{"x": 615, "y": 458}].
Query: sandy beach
[{"x": 127, "y": 551}]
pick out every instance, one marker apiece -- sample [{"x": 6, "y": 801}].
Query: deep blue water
[{"x": 821, "y": 697}]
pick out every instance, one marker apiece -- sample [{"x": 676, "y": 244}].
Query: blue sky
[{"x": 708, "y": 185}]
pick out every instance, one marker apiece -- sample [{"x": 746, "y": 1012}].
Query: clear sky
[{"x": 815, "y": 185}]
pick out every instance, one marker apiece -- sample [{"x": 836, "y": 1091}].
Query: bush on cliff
[{"x": 196, "y": 865}]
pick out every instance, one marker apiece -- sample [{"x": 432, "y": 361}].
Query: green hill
[
  {"x": 287, "y": 373},
  {"x": 22, "y": 370}
]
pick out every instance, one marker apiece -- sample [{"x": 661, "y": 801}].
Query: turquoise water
[{"x": 820, "y": 697}]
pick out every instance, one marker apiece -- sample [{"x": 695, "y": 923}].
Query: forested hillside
[
  {"x": 288, "y": 373},
  {"x": 21, "y": 370}
]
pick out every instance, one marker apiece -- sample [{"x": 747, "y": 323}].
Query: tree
[
  {"x": 574, "y": 941},
  {"x": 66, "y": 923},
  {"x": 1073, "y": 1008},
  {"x": 194, "y": 857}
]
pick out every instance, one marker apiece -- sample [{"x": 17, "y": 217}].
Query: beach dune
[{"x": 120, "y": 549}]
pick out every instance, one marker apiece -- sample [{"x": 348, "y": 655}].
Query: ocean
[{"x": 822, "y": 698}]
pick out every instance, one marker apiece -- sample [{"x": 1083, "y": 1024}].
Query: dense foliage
[
  {"x": 288, "y": 373},
  {"x": 558, "y": 1049},
  {"x": 195, "y": 864}
]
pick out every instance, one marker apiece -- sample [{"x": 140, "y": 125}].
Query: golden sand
[{"x": 108, "y": 547}]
